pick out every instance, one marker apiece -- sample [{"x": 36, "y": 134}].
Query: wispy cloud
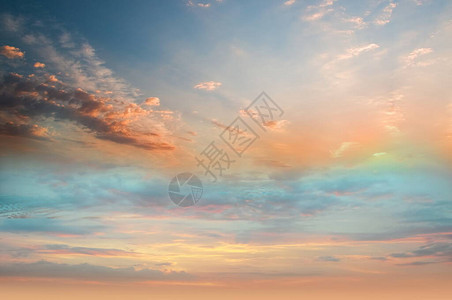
[
  {"x": 61, "y": 249},
  {"x": 413, "y": 59},
  {"x": 352, "y": 52},
  {"x": 344, "y": 148},
  {"x": 431, "y": 250},
  {"x": 328, "y": 258},
  {"x": 199, "y": 4},
  {"x": 317, "y": 12},
  {"x": 385, "y": 15},
  {"x": 88, "y": 272},
  {"x": 208, "y": 85}
]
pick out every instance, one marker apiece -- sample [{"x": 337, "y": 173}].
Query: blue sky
[{"x": 102, "y": 103}]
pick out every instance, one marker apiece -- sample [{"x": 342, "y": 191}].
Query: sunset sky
[{"x": 347, "y": 193}]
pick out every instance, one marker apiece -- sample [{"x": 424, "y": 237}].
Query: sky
[{"x": 341, "y": 189}]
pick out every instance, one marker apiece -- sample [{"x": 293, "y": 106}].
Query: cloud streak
[
  {"x": 88, "y": 272},
  {"x": 208, "y": 85}
]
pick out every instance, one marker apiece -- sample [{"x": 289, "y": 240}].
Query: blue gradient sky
[{"x": 102, "y": 103}]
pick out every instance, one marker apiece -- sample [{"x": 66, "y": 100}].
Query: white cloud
[
  {"x": 205, "y": 5},
  {"x": 412, "y": 59},
  {"x": 344, "y": 148},
  {"x": 317, "y": 12},
  {"x": 289, "y": 2},
  {"x": 78, "y": 67},
  {"x": 208, "y": 85},
  {"x": 358, "y": 22},
  {"x": 199, "y": 4},
  {"x": 352, "y": 52},
  {"x": 386, "y": 14}
]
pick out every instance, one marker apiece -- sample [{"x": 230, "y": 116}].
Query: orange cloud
[
  {"x": 39, "y": 65},
  {"x": 52, "y": 78},
  {"x": 152, "y": 101},
  {"x": 106, "y": 118},
  {"x": 11, "y": 52},
  {"x": 276, "y": 124}
]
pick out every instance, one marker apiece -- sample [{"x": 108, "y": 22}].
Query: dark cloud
[
  {"x": 45, "y": 269},
  {"x": 61, "y": 248},
  {"x": 23, "y": 130},
  {"x": 433, "y": 249},
  {"x": 328, "y": 258},
  {"x": 418, "y": 263},
  {"x": 23, "y": 100},
  {"x": 382, "y": 258}
]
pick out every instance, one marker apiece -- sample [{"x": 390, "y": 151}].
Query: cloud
[
  {"x": 205, "y": 5},
  {"x": 65, "y": 250},
  {"x": 352, "y": 52},
  {"x": 317, "y": 12},
  {"x": 328, "y": 258},
  {"x": 13, "y": 24},
  {"x": 72, "y": 58},
  {"x": 418, "y": 263},
  {"x": 39, "y": 65},
  {"x": 199, "y": 4},
  {"x": 386, "y": 14},
  {"x": 152, "y": 101},
  {"x": 289, "y": 2},
  {"x": 106, "y": 118},
  {"x": 421, "y": 2},
  {"x": 208, "y": 85},
  {"x": 433, "y": 249},
  {"x": 276, "y": 124},
  {"x": 344, "y": 148},
  {"x": 412, "y": 59},
  {"x": 358, "y": 22},
  {"x": 45, "y": 269},
  {"x": 24, "y": 130},
  {"x": 52, "y": 78},
  {"x": 11, "y": 52}
]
